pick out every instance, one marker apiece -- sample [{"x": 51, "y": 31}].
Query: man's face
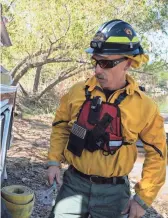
[{"x": 111, "y": 78}]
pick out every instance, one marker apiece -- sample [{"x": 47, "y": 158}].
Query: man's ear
[{"x": 128, "y": 64}]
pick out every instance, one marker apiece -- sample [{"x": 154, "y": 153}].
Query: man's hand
[
  {"x": 134, "y": 209},
  {"x": 53, "y": 172}
]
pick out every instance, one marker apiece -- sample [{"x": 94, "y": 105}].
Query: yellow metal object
[
  {"x": 17, "y": 194},
  {"x": 19, "y": 211},
  {"x": 19, "y": 200}
]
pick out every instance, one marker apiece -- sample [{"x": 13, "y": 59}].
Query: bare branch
[
  {"x": 18, "y": 77},
  {"x": 53, "y": 43},
  {"x": 7, "y": 9},
  {"x": 47, "y": 61},
  {"x": 70, "y": 72},
  {"x": 18, "y": 66},
  {"x": 69, "y": 20},
  {"x": 23, "y": 90},
  {"x": 58, "y": 80},
  {"x": 161, "y": 66},
  {"x": 50, "y": 49},
  {"x": 40, "y": 52},
  {"x": 53, "y": 31},
  {"x": 143, "y": 72}
]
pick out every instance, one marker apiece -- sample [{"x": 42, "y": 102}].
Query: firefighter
[{"x": 96, "y": 128}]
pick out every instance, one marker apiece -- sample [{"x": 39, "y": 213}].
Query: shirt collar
[{"x": 131, "y": 88}]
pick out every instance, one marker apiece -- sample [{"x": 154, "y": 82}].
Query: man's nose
[{"x": 98, "y": 69}]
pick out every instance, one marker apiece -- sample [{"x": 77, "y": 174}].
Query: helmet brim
[{"x": 112, "y": 52}]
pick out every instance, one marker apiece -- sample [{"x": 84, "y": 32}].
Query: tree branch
[
  {"x": 7, "y": 9},
  {"x": 23, "y": 90},
  {"x": 53, "y": 43},
  {"x": 58, "y": 80},
  {"x": 143, "y": 72},
  {"x": 38, "y": 64},
  {"x": 27, "y": 58}
]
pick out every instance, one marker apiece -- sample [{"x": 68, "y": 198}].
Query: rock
[{"x": 24, "y": 179}]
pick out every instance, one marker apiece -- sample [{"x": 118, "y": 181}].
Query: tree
[
  {"x": 37, "y": 79},
  {"x": 52, "y": 35}
]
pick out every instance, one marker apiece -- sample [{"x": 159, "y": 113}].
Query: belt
[{"x": 98, "y": 179}]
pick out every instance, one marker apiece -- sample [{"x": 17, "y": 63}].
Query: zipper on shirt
[
  {"x": 154, "y": 147},
  {"x": 58, "y": 122}
]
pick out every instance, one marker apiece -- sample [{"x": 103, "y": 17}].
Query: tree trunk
[
  {"x": 58, "y": 80},
  {"x": 37, "y": 79},
  {"x": 23, "y": 90},
  {"x": 67, "y": 74}
]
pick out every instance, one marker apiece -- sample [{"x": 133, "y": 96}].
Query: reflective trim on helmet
[
  {"x": 102, "y": 26},
  {"x": 122, "y": 39}
]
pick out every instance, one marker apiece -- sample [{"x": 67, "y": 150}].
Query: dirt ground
[{"x": 26, "y": 163}]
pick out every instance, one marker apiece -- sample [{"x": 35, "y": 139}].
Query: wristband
[
  {"x": 140, "y": 202},
  {"x": 53, "y": 163}
]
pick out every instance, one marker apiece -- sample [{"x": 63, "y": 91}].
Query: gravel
[{"x": 26, "y": 164}]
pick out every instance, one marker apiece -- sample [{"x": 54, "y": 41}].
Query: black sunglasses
[{"x": 107, "y": 63}]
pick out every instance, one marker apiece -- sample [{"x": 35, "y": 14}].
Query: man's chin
[
  {"x": 101, "y": 81},
  {"x": 103, "y": 85}
]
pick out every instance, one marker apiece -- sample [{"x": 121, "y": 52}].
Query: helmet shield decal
[{"x": 129, "y": 33}]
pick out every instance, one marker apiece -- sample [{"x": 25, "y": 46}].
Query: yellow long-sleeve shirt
[{"x": 139, "y": 117}]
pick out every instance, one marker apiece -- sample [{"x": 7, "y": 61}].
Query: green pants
[{"x": 78, "y": 197}]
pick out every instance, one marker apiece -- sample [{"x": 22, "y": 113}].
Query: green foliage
[
  {"x": 35, "y": 25},
  {"x": 159, "y": 69}
]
